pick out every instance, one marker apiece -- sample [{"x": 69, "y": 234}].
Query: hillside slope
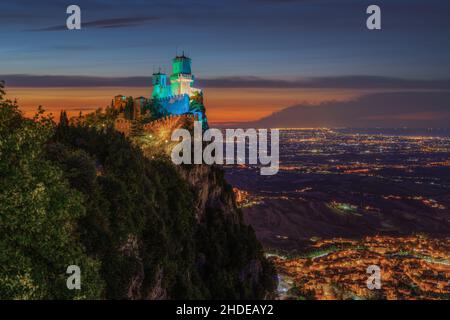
[
  {"x": 138, "y": 228},
  {"x": 160, "y": 231}
]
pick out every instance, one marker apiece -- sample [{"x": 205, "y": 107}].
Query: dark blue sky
[{"x": 277, "y": 39}]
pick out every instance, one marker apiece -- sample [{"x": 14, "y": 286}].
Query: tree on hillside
[
  {"x": 85, "y": 195},
  {"x": 63, "y": 119},
  {"x": 2, "y": 91},
  {"x": 129, "y": 108},
  {"x": 38, "y": 215}
]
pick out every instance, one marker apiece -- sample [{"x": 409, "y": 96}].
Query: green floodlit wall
[
  {"x": 160, "y": 88},
  {"x": 181, "y": 65}
]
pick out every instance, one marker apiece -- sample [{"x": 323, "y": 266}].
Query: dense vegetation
[
  {"x": 38, "y": 215},
  {"x": 79, "y": 195}
]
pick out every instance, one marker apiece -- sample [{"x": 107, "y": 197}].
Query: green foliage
[
  {"x": 38, "y": 215},
  {"x": 196, "y": 103},
  {"x": 153, "y": 110},
  {"x": 99, "y": 119},
  {"x": 132, "y": 197},
  {"x": 63, "y": 119},
  {"x": 234, "y": 265},
  {"x": 128, "y": 111},
  {"x": 2, "y": 91},
  {"x": 196, "y": 106},
  {"x": 84, "y": 194},
  {"x": 129, "y": 197}
]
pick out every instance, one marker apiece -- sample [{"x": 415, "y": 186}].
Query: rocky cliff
[{"x": 160, "y": 231}]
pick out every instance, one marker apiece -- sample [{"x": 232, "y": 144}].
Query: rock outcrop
[{"x": 160, "y": 231}]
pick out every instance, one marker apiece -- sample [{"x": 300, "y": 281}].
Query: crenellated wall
[
  {"x": 171, "y": 122},
  {"x": 175, "y": 105},
  {"x": 168, "y": 124}
]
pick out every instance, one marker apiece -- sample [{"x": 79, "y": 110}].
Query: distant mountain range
[{"x": 416, "y": 109}]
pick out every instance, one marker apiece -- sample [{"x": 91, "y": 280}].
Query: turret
[
  {"x": 181, "y": 64},
  {"x": 160, "y": 89},
  {"x": 181, "y": 79}
]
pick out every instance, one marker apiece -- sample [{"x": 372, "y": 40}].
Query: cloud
[
  {"x": 341, "y": 82},
  {"x": 123, "y": 22},
  {"x": 44, "y": 81},
  {"x": 338, "y": 82},
  {"x": 389, "y": 110}
]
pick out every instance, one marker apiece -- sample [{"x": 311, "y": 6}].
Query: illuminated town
[
  {"x": 343, "y": 201},
  {"x": 412, "y": 267},
  {"x": 415, "y": 169},
  {"x": 205, "y": 151}
]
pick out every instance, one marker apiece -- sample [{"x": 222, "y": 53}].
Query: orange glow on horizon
[{"x": 222, "y": 104}]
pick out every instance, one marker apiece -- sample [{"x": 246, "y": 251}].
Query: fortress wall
[
  {"x": 170, "y": 123},
  {"x": 163, "y": 125},
  {"x": 176, "y": 104}
]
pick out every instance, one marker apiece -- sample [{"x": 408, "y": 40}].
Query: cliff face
[
  {"x": 210, "y": 190},
  {"x": 160, "y": 231},
  {"x": 215, "y": 200},
  {"x": 214, "y": 207}
]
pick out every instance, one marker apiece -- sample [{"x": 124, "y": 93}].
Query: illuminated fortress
[
  {"x": 174, "y": 98},
  {"x": 181, "y": 80}
]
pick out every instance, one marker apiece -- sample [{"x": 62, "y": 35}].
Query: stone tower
[
  {"x": 160, "y": 88},
  {"x": 181, "y": 80}
]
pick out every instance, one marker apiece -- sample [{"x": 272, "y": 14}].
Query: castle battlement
[
  {"x": 175, "y": 100},
  {"x": 125, "y": 126},
  {"x": 172, "y": 97},
  {"x": 181, "y": 80},
  {"x": 183, "y": 76}
]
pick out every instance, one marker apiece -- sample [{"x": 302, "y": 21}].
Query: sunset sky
[{"x": 251, "y": 57}]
